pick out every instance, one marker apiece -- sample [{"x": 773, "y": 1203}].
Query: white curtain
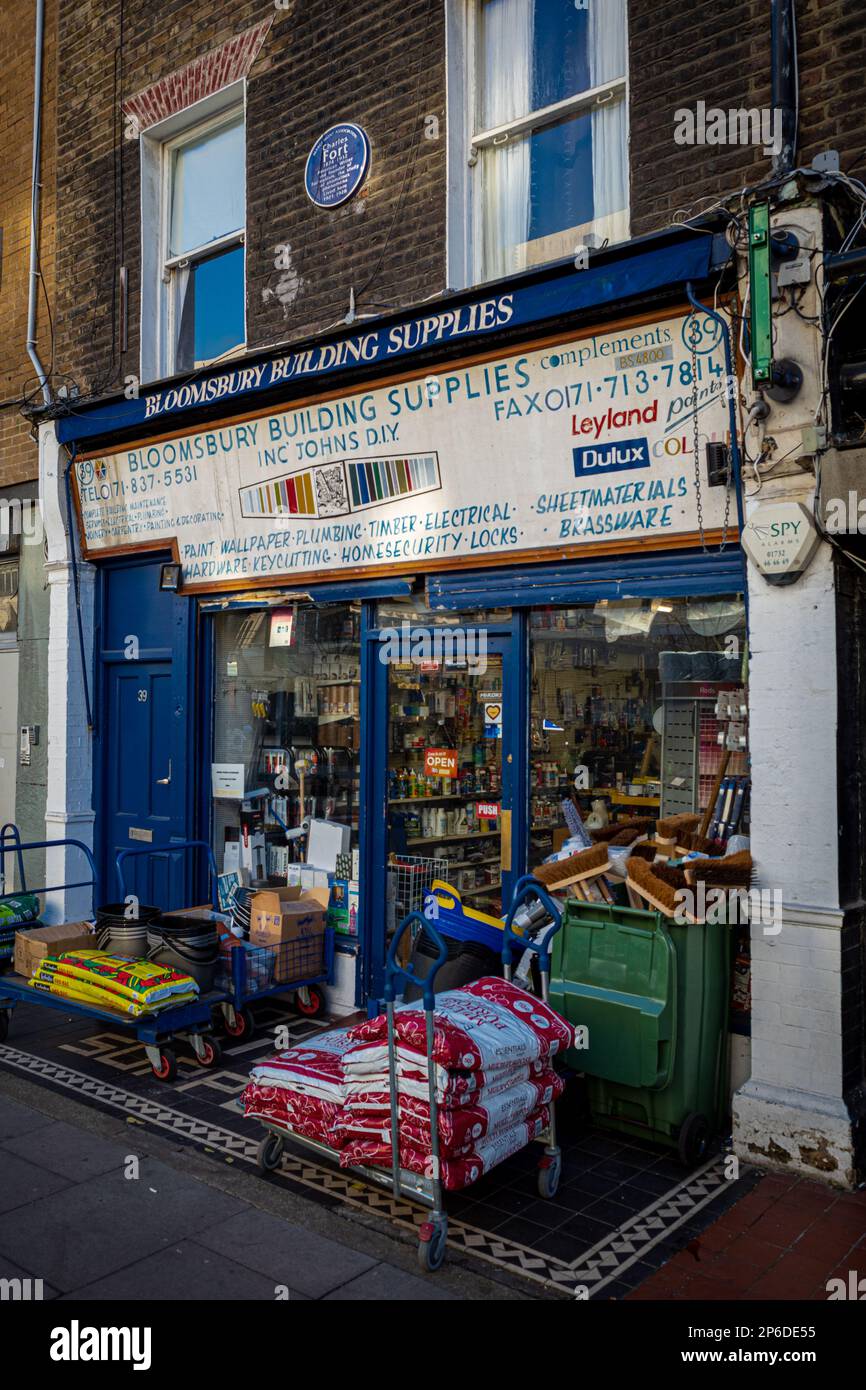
[
  {"x": 607, "y": 60},
  {"x": 506, "y": 94}
]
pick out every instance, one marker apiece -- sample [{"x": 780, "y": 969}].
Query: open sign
[{"x": 440, "y": 762}]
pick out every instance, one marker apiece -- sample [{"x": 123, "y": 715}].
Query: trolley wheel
[
  {"x": 431, "y": 1245},
  {"x": 244, "y": 1025},
  {"x": 167, "y": 1069},
  {"x": 315, "y": 1003},
  {"x": 4, "y": 1024},
  {"x": 549, "y": 1173},
  {"x": 693, "y": 1140},
  {"x": 211, "y": 1053},
  {"x": 269, "y": 1153}
]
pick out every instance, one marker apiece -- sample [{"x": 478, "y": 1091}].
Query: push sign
[{"x": 337, "y": 165}]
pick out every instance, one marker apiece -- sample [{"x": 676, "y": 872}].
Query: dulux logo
[{"x": 611, "y": 458}]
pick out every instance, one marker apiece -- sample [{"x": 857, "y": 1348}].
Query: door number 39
[{"x": 142, "y": 697}]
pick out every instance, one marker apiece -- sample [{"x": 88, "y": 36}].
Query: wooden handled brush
[{"x": 711, "y": 801}]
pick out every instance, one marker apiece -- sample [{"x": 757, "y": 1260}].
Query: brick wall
[
  {"x": 18, "y": 455},
  {"x": 682, "y": 53},
  {"x": 380, "y": 64}
]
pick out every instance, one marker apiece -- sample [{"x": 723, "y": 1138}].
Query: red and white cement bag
[
  {"x": 313, "y": 1067},
  {"x": 459, "y": 1129},
  {"x": 454, "y": 1172},
  {"x": 479, "y": 1027},
  {"x": 367, "y": 1069},
  {"x": 307, "y": 1115}
]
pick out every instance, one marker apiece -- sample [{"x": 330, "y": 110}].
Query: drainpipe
[
  {"x": 33, "y": 289},
  {"x": 784, "y": 80}
]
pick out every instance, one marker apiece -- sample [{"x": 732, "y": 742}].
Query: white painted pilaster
[{"x": 69, "y": 801}]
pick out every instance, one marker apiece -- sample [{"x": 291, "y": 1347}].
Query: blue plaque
[{"x": 337, "y": 165}]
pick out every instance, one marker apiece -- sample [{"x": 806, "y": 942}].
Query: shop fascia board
[{"x": 647, "y": 270}]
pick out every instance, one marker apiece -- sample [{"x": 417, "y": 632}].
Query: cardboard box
[
  {"x": 35, "y": 943},
  {"x": 292, "y": 921}
]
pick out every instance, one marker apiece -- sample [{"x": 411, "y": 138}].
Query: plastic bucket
[
  {"x": 122, "y": 935},
  {"x": 187, "y": 944}
]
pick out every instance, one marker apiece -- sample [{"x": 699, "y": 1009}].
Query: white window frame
[
  {"x": 160, "y": 269},
  {"x": 466, "y": 140},
  {"x": 10, "y": 559}
]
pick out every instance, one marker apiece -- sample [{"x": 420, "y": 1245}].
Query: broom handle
[{"x": 705, "y": 821}]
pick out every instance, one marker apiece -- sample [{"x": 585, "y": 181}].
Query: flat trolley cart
[
  {"x": 190, "y": 1022},
  {"x": 429, "y": 1192},
  {"x": 252, "y": 973}
]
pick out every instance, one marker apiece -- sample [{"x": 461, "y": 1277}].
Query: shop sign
[
  {"x": 541, "y": 453},
  {"x": 337, "y": 165},
  {"x": 227, "y": 780},
  {"x": 440, "y": 762},
  {"x": 780, "y": 539},
  {"x": 493, "y": 719},
  {"x": 282, "y": 627}
]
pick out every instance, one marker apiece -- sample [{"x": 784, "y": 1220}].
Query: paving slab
[
  {"x": 287, "y": 1254},
  {"x": 187, "y": 1271},
  {"x": 10, "y": 1271},
  {"x": 94, "y": 1228},
  {"x": 18, "y": 1119},
  {"x": 23, "y": 1182},
  {"x": 387, "y": 1283},
  {"x": 68, "y": 1151}
]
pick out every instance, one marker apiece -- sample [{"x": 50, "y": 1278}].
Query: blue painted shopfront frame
[{"x": 681, "y": 574}]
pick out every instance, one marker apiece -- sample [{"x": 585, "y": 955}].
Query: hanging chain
[{"x": 693, "y": 338}]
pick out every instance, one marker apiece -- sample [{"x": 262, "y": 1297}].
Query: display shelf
[
  {"x": 461, "y": 796},
  {"x": 481, "y": 888},
  {"x": 441, "y": 839}
]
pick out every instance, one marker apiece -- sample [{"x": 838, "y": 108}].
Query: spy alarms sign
[{"x": 780, "y": 540}]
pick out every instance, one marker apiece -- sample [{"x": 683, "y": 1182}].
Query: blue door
[{"x": 145, "y": 734}]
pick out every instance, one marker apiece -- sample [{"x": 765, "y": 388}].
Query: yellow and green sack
[
  {"x": 85, "y": 992},
  {"x": 141, "y": 982}
]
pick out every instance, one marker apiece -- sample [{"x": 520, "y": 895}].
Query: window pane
[
  {"x": 287, "y": 708},
  {"x": 208, "y": 188},
  {"x": 538, "y": 195},
  {"x": 535, "y": 52},
  {"x": 212, "y": 314},
  {"x": 639, "y": 699}
]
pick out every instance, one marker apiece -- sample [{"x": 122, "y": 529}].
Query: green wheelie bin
[{"x": 651, "y": 1000}]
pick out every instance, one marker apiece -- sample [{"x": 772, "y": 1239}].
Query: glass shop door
[{"x": 451, "y": 772}]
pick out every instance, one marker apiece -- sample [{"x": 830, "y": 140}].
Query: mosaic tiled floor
[{"x": 623, "y": 1208}]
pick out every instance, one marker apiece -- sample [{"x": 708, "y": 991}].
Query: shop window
[
  {"x": 286, "y": 735},
  {"x": 635, "y": 705},
  {"x": 8, "y": 602},
  {"x": 193, "y": 242},
  {"x": 540, "y": 168}
]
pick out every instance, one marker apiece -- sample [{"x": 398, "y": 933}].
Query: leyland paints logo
[{"x": 77, "y": 1343}]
